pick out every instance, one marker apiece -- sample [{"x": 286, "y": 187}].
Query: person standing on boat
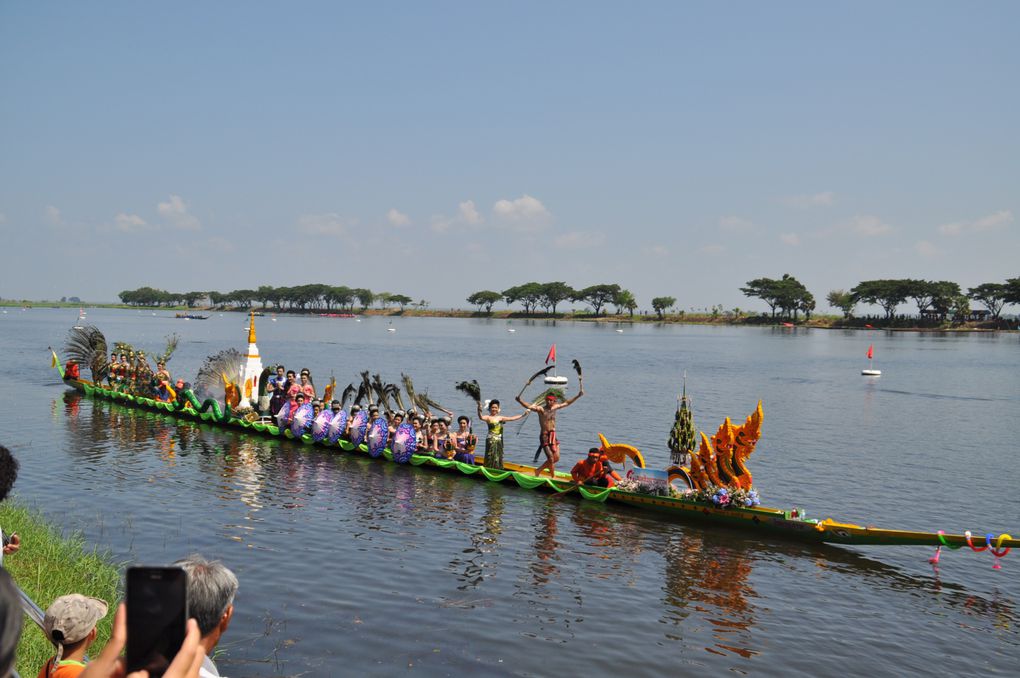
[
  {"x": 307, "y": 387},
  {"x": 112, "y": 370},
  {"x": 277, "y": 389},
  {"x": 547, "y": 440},
  {"x": 494, "y": 437}
]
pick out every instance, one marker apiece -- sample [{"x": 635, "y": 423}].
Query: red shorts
[{"x": 548, "y": 442}]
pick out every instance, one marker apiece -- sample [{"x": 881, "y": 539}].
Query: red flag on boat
[
  {"x": 869, "y": 327},
  {"x": 551, "y": 358},
  {"x": 871, "y": 351}
]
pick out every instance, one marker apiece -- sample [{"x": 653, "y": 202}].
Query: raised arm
[
  {"x": 580, "y": 392},
  {"x": 515, "y": 417}
]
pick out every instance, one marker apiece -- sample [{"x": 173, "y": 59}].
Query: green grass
[{"x": 51, "y": 564}]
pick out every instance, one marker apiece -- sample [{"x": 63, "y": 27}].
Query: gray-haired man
[{"x": 211, "y": 589}]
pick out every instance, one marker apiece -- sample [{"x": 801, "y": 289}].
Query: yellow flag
[{"x": 56, "y": 363}]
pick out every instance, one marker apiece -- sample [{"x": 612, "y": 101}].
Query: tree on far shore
[
  {"x": 484, "y": 298},
  {"x": 553, "y": 293},
  {"x": 625, "y": 300},
  {"x": 400, "y": 300},
  {"x": 662, "y": 304},
  {"x": 990, "y": 295},
  {"x": 1012, "y": 294},
  {"x": 786, "y": 294},
  {"x": 842, "y": 300},
  {"x": 598, "y": 295},
  {"x": 885, "y": 293}
]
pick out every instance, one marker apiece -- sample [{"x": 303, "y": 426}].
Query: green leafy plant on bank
[{"x": 51, "y": 564}]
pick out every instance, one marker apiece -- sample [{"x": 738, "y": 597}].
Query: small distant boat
[
  {"x": 870, "y": 371},
  {"x": 619, "y": 331},
  {"x": 509, "y": 329},
  {"x": 190, "y": 316},
  {"x": 391, "y": 329}
]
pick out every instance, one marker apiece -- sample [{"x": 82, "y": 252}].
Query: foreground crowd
[{"x": 70, "y": 620}]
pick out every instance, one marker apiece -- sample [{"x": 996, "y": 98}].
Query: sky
[{"x": 435, "y": 149}]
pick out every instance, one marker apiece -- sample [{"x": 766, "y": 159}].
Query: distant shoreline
[{"x": 824, "y": 322}]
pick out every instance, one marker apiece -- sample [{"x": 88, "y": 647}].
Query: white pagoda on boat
[{"x": 251, "y": 369}]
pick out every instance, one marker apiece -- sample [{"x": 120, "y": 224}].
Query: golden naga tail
[
  {"x": 698, "y": 476},
  {"x": 708, "y": 462},
  {"x": 744, "y": 440},
  {"x": 723, "y": 443}
]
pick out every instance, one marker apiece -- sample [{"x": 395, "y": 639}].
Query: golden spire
[{"x": 251, "y": 328}]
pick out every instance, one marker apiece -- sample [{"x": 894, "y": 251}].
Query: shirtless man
[{"x": 547, "y": 441}]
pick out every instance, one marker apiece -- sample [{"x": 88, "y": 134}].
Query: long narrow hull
[{"x": 777, "y": 522}]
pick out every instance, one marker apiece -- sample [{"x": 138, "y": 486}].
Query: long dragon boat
[{"x": 706, "y": 496}]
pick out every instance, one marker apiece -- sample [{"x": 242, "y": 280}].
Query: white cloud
[
  {"x": 53, "y": 216},
  {"x": 712, "y": 249},
  {"x": 468, "y": 213},
  {"x": 329, "y": 223},
  {"x": 656, "y": 251},
  {"x": 397, "y": 218},
  {"x": 525, "y": 213},
  {"x": 175, "y": 211},
  {"x": 791, "y": 239},
  {"x": 926, "y": 249},
  {"x": 823, "y": 199},
  {"x": 576, "y": 240},
  {"x": 733, "y": 224},
  {"x": 129, "y": 223},
  {"x": 1000, "y": 219}
]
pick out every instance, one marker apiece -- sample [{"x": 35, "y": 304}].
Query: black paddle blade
[
  {"x": 577, "y": 367},
  {"x": 541, "y": 373},
  {"x": 471, "y": 389}
]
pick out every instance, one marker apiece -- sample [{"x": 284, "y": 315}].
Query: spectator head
[
  {"x": 71, "y": 621},
  {"x": 211, "y": 589},
  {"x": 8, "y": 472},
  {"x": 10, "y": 621}
]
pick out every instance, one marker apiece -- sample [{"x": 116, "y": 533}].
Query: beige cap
[{"x": 70, "y": 618}]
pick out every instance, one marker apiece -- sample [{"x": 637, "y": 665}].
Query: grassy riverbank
[{"x": 51, "y": 564}]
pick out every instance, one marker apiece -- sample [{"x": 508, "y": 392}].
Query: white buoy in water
[
  {"x": 391, "y": 329},
  {"x": 509, "y": 329},
  {"x": 871, "y": 373},
  {"x": 620, "y": 331}
]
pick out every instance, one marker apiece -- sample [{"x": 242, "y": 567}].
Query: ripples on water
[{"x": 349, "y": 565}]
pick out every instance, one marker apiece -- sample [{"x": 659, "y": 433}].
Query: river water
[{"x": 350, "y": 566}]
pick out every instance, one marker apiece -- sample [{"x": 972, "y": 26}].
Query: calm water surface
[{"x": 351, "y": 566}]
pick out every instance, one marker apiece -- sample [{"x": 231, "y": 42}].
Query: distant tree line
[
  {"x": 935, "y": 299},
  {"x": 314, "y": 296},
  {"x": 550, "y": 295}
]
